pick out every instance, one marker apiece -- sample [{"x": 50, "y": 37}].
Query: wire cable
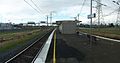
[
  {"x": 36, "y": 6},
  {"x": 111, "y": 2},
  {"x": 110, "y": 13},
  {"x": 82, "y": 6},
  {"x": 104, "y": 5},
  {"x": 80, "y": 10},
  {"x": 32, "y": 7}
]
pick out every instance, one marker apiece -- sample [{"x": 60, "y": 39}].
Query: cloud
[
  {"x": 56, "y": 5},
  {"x": 65, "y": 9}
]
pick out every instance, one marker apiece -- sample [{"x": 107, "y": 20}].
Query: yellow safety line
[{"x": 54, "y": 50}]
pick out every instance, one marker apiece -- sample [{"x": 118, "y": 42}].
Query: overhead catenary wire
[
  {"x": 32, "y": 6},
  {"x": 82, "y": 6},
  {"x": 111, "y": 2},
  {"x": 39, "y": 13},
  {"x": 100, "y": 3},
  {"x": 80, "y": 10},
  {"x": 36, "y": 6},
  {"x": 110, "y": 13},
  {"x": 104, "y": 5}
]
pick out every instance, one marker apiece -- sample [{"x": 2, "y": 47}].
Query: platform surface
[{"x": 75, "y": 48}]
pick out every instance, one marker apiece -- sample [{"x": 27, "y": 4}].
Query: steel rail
[{"x": 26, "y": 48}]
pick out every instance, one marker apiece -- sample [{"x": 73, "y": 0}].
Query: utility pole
[
  {"x": 91, "y": 22},
  {"x": 51, "y": 18},
  {"x": 78, "y": 16},
  {"x": 91, "y": 12},
  {"x": 39, "y": 24},
  {"x": 90, "y": 39},
  {"x": 47, "y": 20},
  {"x": 1, "y": 20}
]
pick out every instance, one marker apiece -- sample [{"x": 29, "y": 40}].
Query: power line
[
  {"x": 110, "y": 13},
  {"x": 80, "y": 9},
  {"x": 110, "y": 7},
  {"x": 36, "y": 5},
  {"x": 111, "y": 2},
  {"x": 100, "y": 3},
  {"x": 32, "y": 6},
  {"x": 82, "y": 6},
  {"x": 104, "y": 5}
]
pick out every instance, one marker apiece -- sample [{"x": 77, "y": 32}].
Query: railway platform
[
  {"x": 68, "y": 49},
  {"x": 73, "y": 48}
]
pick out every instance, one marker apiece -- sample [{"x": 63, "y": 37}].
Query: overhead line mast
[
  {"x": 99, "y": 11},
  {"x": 118, "y": 14}
]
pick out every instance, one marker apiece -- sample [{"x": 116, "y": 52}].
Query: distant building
[
  {"x": 31, "y": 24},
  {"x": 67, "y": 26},
  {"x": 6, "y": 26}
]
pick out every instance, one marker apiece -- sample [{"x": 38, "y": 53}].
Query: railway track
[{"x": 27, "y": 55}]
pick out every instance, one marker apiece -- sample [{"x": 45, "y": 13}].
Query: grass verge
[
  {"x": 7, "y": 45},
  {"x": 106, "y": 32}
]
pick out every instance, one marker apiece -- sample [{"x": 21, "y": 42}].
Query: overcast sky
[{"x": 18, "y": 11}]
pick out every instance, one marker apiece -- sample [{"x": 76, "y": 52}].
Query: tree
[{"x": 111, "y": 25}]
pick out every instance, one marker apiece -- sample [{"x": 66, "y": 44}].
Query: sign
[
  {"x": 42, "y": 22},
  {"x": 91, "y": 16}
]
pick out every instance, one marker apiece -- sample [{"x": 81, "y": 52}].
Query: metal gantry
[
  {"x": 99, "y": 12},
  {"x": 118, "y": 12}
]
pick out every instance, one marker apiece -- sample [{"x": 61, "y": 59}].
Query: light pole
[
  {"x": 50, "y": 18},
  {"x": 91, "y": 22},
  {"x": 1, "y": 20},
  {"x": 91, "y": 13},
  {"x": 78, "y": 16},
  {"x": 47, "y": 20}
]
